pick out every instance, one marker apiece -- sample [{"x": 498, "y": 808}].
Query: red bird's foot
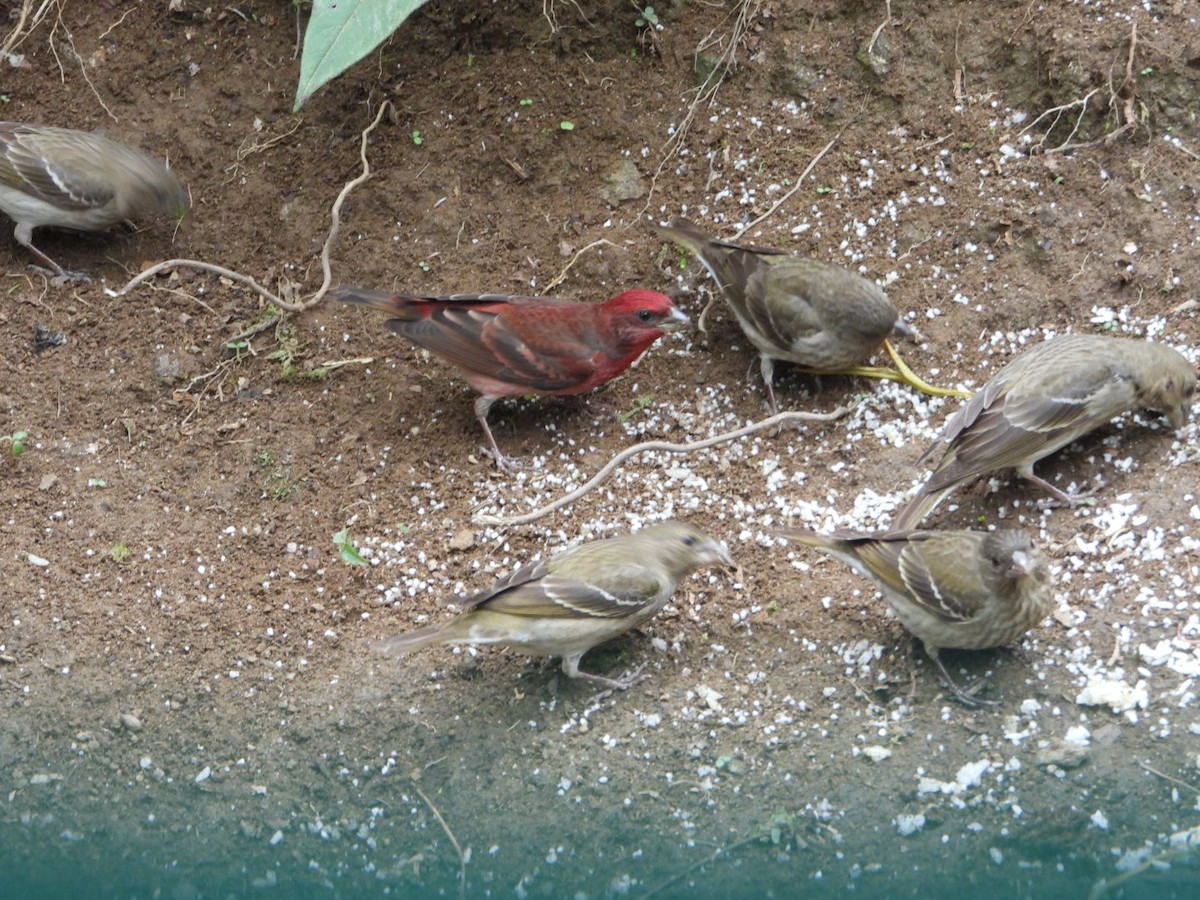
[{"x": 504, "y": 463}]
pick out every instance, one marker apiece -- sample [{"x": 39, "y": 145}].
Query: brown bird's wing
[
  {"x": 880, "y": 558},
  {"x": 538, "y": 345},
  {"x": 533, "y": 591},
  {"x": 956, "y": 594},
  {"x": 905, "y": 562},
  {"x": 1015, "y": 419},
  {"x": 776, "y": 299},
  {"x": 81, "y": 187}
]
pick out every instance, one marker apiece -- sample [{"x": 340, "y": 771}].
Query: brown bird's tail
[
  {"x": 730, "y": 264},
  {"x": 381, "y": 300},
  {"x": 803, "y": 536},
  {"x": 917, "y": 508},
  {"x": 399, "y": 644},
  {"x": 686, "y": 234}
]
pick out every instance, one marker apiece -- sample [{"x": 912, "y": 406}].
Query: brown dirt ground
[{"x": 183, "y": 494}]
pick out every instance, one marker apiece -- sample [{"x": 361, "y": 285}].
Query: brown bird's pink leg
[
  {"x": 570, "y": 666},
  {"x": 482, "y": 405},
  {"x": 54, "y": 268},
  {"x": 766, "y": 365},
  {"x": 958, "y": 693},
  {"x": 1071, "y": 500}
]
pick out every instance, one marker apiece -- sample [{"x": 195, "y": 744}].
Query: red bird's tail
[{"x": 381, "y": 300}]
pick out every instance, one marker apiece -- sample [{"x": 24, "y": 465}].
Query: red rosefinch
[
  {"x": 967, "y": 590},
  {"x": 576, "y": 599},
  {"x": 816, "y": 314},
  {"x": 80, "y": 180},
  {"x": 512, "y": 346},
  {"x": 1044, "y": 399}
]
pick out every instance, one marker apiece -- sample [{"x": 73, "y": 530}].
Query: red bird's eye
[{"x": 645, "y": 315}]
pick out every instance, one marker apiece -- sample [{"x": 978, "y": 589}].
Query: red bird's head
[{"x": 640, "y": 317}]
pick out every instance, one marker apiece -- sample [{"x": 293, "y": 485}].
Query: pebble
[
  {"x": 464, "y": 539},
  {"x": 1061, "y": 753}
]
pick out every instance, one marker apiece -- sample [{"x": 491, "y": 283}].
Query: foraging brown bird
[
  {"x": 817, "y": 314},
  {"x": 965, "y": 590},
  {"x": 80, "y": 180},
  {"x": 511, "y": 346},
  {"x": 1043, "y": 400},
  {"x": 578, "y": 598}
]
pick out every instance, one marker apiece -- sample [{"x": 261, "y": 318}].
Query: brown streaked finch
[
  {"x": 511, "y": 346},
  {"x": 80, "y": 180},
  {"x": 1044, "y": 399},
  {"x": 578, "y": 598},
  {"x": 795, "y": 309},
  {"x": 962, "y": 590}
]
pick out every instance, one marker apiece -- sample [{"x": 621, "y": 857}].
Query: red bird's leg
[{"x": 482, "y": 405}]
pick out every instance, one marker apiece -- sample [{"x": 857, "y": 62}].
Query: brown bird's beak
[
  {"x": 909, "y": 332},
  {"x": 677, "y": 320},
  {"x": 1180, "y": 414},
  {"x": 724, "y": 557},
  {"x": 1022, "y": 564},
  {"x": 713, "y": 551}
]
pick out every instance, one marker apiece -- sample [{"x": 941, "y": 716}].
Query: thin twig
[
  {"x": 109, "y": 30},
  {"x": 462, "y": 859},
  {"x": 335, "y": 215},
  {"x": 799, "y": 181},
  {"x": 558, "y": 279},
  {"x": 20, "y": 31},
  {"x": 244, "y": 151},
  {"x": 1164, "y": 776},
  {"x": 166, "y": 265},
  {"x": 334, "y": 228},
  {"x": 82, "y": 65},
  {"x": 1129, "y": 109},
  {"x": 1178, "y": 145},
  {"x": 712, "y": 857},
  {"x": 707, "y": 92},
  {"x": 567, "y": 499}
]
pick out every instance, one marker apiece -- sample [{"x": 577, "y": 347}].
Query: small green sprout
[
  {"x": 416, "y": 138},
  {"x": 346, "y": 550},
  {"x": 239, "y": 349},
  {"x": 639, "y": 404},
  {"x": 16, "y": 443},
  {"x": 566, "y": 125},
  {"x": 646, "y": 18}
]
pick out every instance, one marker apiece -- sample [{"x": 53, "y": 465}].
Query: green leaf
[{"x": 340, "y": 33}]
